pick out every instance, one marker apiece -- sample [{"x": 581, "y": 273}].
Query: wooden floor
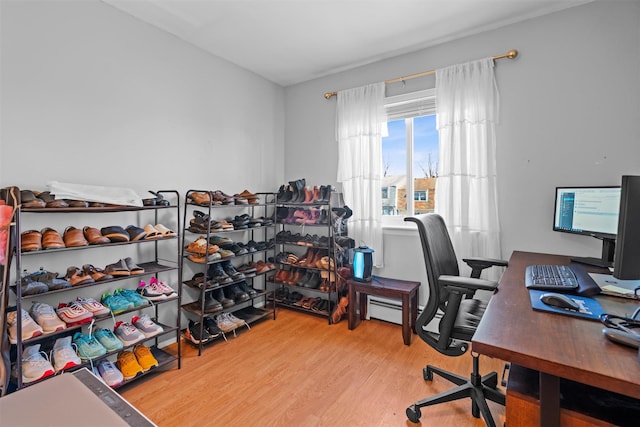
[{"x": 299, "y": 371}]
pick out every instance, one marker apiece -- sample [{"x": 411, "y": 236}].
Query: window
[{"x": 410, "y": 155}]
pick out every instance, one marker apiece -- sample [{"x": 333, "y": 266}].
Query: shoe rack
[
  {"x": 308, "y": 257},
  {"x": 217, "y": 221},
  {"x": 157, "y": 258}
]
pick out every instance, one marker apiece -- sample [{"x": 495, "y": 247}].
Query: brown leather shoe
[
  {"x": 51, "y": 201},
  {"x": 31, "y": 241},
  {"x": 94, "y": 236},
  {"x": 76, "y": 276},
  {"x": 200, "y": 198},
  {"x": 29, "y": 200},
  {"x": 51, "y": 239},
  {"x": 95, "y": 273},
  {"x": 74, "y": 237}
]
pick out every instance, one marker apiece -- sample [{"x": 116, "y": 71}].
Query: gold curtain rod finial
[
  {"x": 512, "y": 54},
  {"x": 328, "y": 95}
]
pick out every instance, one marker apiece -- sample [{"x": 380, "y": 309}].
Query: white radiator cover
[{"x": 390, "y": 310}]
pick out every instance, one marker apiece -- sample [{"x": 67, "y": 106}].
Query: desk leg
[
  {"x": 406, "y": 320},
  {"x": 364, "y": 300},
  {"x": 549, "y": 400},
  {"x": 352, "y": 308},
  {"x": 413, "y": 300}
]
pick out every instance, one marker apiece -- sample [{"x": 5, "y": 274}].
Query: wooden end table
[{"x": 404, "y": 290}]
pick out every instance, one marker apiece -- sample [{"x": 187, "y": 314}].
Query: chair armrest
[
  {"x": 468, "y": 283},
  {"x": 479, "y": 264}
]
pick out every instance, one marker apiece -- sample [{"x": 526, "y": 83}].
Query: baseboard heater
[{"x": 391, "y": 311}]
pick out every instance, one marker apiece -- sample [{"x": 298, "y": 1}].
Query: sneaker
[
  {"x": 93, "y": 306},
  {"x": 133, "y": 297},
  {"x": 147, "y": 326},
  {"x": 237, "y": 321},
  {"x": 35, "y": 365},
  {"x": 110, "y": 375},
  {"x": 166, "y": 289},
  {"x": 127, "y": 333},
  {"x": 192, "y": 333},
  {"x": 45, "y": 316},
  {"x": 73, "y": 313},
  {"x": 145, "y": 357},
  {"x": 30, "y": 328},
  {"x": 224, "y": 323},
  {"x": 63, "y": 355},
  {"x": 212, "y": 328},
  {"x": 88, "y": 347},
  {"x": 151, "y": 291},
  {"x": 108, "y": 339},
  {"x": 128, "y": 365},
  {"x": 116, "y": 303}
]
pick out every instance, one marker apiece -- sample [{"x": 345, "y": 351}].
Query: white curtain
[
  {"x": 360, "y": 124},
  {"x": 467, "y": 106}
]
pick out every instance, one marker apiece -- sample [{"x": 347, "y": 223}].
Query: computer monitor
[
  {"x": 591, "y": 211},
  {"x": 626, "y": 264}
]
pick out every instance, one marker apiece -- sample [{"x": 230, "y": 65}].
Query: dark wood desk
[
  {"x": 404, "y": 290},
  {"x": 556, "y": 345}
]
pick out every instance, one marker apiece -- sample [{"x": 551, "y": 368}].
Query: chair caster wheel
[
  {"x": 427, "y": 374},
  {"x": 413, "y": 414}
]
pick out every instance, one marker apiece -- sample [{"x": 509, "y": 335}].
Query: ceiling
[{"x": 292, "y": 41}]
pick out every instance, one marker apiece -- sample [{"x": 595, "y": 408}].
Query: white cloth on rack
[{"x": 95, "y": 193}]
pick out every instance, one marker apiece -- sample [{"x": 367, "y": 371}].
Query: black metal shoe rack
[
  {"x": 304, "y": 295},
  {"x": 157, "y": 257},
  {"x": 197, "y": 283}
]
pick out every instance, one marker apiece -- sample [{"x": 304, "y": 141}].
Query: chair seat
[{"x": 469, "y": 315}]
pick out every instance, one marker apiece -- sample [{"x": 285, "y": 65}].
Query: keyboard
[{"x": 550, "y": 278}]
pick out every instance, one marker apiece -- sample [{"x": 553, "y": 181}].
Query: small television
[
  {"x": 626, "y": 264},
  {"x": 591, "y": 211}
]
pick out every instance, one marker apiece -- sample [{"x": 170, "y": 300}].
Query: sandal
[
  {"x": 166, "y": 233},
  {"x": 152, "y": 233},
  {"x": 202, "y": 199},
  {"x": 133, "y": 268},
  {"x": 117, "y": 269}
]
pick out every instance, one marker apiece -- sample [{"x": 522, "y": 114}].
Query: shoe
[
  {"x": 63, "y": 355},
  {"x": 88, "y": 347},
  {"x": 73, "y": 313},
  {"x": 30, "y": 286},
  {"x": 133, "y": 297},
  {"x": 164, "y": 231},
  {"x": 224, "y": 323},
  {"x": 108, "y": 339},
  {"x": 211, "y": 327},
  {"x": 93, "y": 306},
  {"x": 211, "y": 305},
  {"x": 95, "y": 273},
  {"x": 115, "y": 233},
  {"x": 166, "y": 289},
  {"x": 51, "y": 239},
  {"x": 230, "y": 271},
  {"x": 219, "y": 295},
  {"x": 132, "y": 267},
  {"x": 128, "y": 365},
  {"x": 150, "y": 291},
  {"x": 30, "y": 328},
  {"x": 35, "y": 365},
  {"x": 135, "y": 233},
  {"x": 109, "y": 373},
  {"x": 192, "y": 333},
  {"x": 151, "y": 233},
  {"x": 116, "y": 303},
  {"x": 94, "y": 236},
  {"x": 76, "y": 276},
  {"x": 50, "y": 279},
  {"x": 46, "y": 317},
  {"x": 244, "y": 287},
  {"x": 237, "y": 321},
  {"x": 147, "y": 326},
  {"x": 127, "y": 333},
  {"x": 118, "y": 269},
  {"x": 216, "y": 274},
  {"x": 73, "y": 238},
  {"x": 145, "y": 357},
  {"x": 199, "y": 247},
  {"x": 31, "y": 241},
  {"x": 236, "y": 294}
]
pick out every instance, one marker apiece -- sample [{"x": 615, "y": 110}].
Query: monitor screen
[{"x": 587, "y": 210}]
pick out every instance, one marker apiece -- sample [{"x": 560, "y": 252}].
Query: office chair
[{"x": 461, "y": 313}]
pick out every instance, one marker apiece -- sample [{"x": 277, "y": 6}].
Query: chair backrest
[{"x": 440, "y": 259}]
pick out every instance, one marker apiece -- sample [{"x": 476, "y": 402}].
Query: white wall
[
  {"x": 570, "y": 106},
  {"x": 91, "y": 95}
]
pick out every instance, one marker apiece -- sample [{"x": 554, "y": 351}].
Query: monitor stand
[
  {"x": 606, "y": 260},
  {"x": 596, "y": 262}
]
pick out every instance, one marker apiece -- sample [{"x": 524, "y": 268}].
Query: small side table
[{"x": 407, "y": 291}]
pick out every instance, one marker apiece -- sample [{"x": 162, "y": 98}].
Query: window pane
[
  {"x": 394, "y": 164},
  {"x": 425, "y": 162}
]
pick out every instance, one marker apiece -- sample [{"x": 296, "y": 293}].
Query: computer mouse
[{"x": 560, "y": 301}]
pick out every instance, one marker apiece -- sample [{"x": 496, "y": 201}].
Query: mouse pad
[{"x": 589, "y": 307}]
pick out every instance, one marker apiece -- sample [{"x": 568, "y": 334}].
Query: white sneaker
[
  {"x": 63, "y": 355},
  {"x": 127, "y": 333},
  {"x": 74, "y": 313},
  {"x": 237, "y": 321},
  {"x": 147, "y": 326},
  {"x": 46, "y": 317},
  {"x": 224, "y": 323},
  {"x": 109, "y": 373},
  {"x": 163, "y": 287},
  {"x": 35, "y": 365},
  {"x": 152, "y": 291},
  {"x": 30, "y": 328},
  {"x": 93, "y": 306}
]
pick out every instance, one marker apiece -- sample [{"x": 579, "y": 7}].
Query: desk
[
  {"x": 556, "y": 345},
  {"x": 405, "y": 290}
]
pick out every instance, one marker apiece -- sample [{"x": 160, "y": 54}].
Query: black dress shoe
[
  {"x": 234, "y": 292},
  {"x": 244, "y": 286},
  {"x": 211, "y": 305},
  {"x": 220, "y": 296}
]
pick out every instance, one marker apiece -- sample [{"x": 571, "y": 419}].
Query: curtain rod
[{"x": 511, "y": 54}]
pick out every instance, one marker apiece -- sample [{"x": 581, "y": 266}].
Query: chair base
[{"x": 479, "y": 389}]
